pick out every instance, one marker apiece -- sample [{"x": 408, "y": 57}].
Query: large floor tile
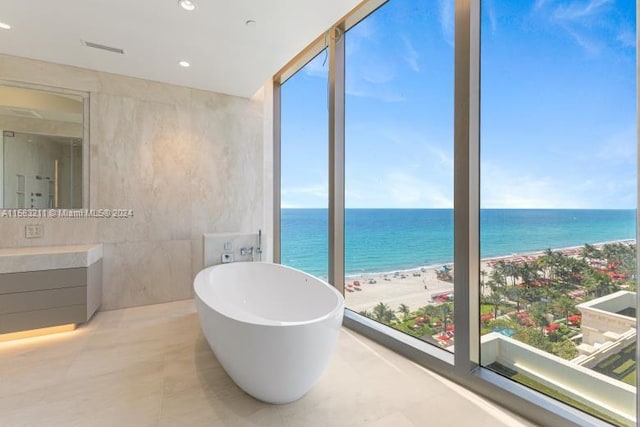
[{"x": 151, "y": 366}]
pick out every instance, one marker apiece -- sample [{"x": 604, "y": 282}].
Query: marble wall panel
[
  {"x": 146, "y": 272},
  {"x": 58, "y": 231},
  {"x": 265, "y": 97},
  {"x": 197, "y": 255},
  {"x": 145, "y": 90},
  {"x": 186, "y": 162}
]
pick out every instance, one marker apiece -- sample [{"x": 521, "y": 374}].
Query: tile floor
[{"x": 151, "y": 366}]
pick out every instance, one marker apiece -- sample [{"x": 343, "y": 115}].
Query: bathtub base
[
  {"x": 272, "y": 328},
  {"x": 276, "y": 365}
]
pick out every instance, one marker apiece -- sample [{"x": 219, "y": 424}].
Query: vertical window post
[
  {"x": 467, "y": 183},
  {"x": 277, "y": 172},
  {"x": 336, "y": 158},
  {"x": 637, "y": 217}
]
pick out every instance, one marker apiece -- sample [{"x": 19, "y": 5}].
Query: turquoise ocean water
[{"x": 382, "y": 240}]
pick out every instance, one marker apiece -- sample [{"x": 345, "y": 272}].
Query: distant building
[
  {"x": 606, "y": 320},
  {"x": 608, "y": 329}
]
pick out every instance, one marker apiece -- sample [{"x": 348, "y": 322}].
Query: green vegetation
[
  {"x": 503, "y": 308},
  {"x": 532, "y": 296},
  {"x": 621, "y": 366},
  {"x": 565, "y": 349},
  {"x": 549, "y": 286},
  {"x": 424, "y": 322}
]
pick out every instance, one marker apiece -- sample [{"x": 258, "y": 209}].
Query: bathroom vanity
[{"x": 42, "y": 287}]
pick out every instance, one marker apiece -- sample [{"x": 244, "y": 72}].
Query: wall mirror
[{"x": 43, "y": 148}]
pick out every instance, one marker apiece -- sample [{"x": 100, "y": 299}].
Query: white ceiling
[{"x": 226, "y": 55}]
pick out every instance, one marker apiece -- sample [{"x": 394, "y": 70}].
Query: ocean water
[{"x": 382, "y": 240}]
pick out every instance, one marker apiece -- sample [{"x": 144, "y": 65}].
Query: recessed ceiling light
[
  {"x": 184, "y": 64},
  {"x": 187, "y": 5},
  {"x": 5, "y": 26}
]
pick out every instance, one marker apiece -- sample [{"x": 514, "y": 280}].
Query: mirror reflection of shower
[
  {"x": 41, "y": 171},
  {"x": 43, "y": 147}
]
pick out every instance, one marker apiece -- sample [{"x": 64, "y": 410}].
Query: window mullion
[
  {"x": 336, "y": 158},
  {"x": 466, "y": 183}
]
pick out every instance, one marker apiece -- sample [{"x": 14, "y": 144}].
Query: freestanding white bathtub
[{"x": 272, "y": 328}]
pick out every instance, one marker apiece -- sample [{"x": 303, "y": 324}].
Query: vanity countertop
[{"x": 20, "y": 260}]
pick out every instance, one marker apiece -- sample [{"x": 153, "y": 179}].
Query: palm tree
[
  {"x": 483, "y": 279},
  {"x": 628, "y": 267},
  {"x": 516, "y": 294},
  {"x": 606, "y": 287},
  {"x": 422, "y": 311},
  {"x": 565, "y": 305},
  {"x": 445, "y": 310},
  {"x": 383, "y": 313},
  {"x": 616, "y": 252},
  {"x": 598, "y": 284},
  {"x": 494, "y": 299},
  {"x": 512, "y": 270},
  {"x": 499, "y": 274},
  {"x": 529, "y": 271},
  {"x": 538, "y": 313},
  {"x": 575, "y": 270},
  {"x": 546, "y": 263},
  {"x": 404, "y": 310},
  {"x": 590, "y": 253}
]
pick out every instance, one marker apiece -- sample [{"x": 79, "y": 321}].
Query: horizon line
[{"x": 540, "y": 209}]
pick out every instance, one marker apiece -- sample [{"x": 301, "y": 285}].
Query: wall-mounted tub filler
[
  {"x": 259, "y": 248},
  {"x": 223, "y": 248},
  {"x": 271, "y": 327}
]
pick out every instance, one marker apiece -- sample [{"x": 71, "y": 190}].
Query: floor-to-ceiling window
[
  {"x": 558, "y": 197},
  {"x": 304, "y": 162},
  {"x": 551, "y": 309},
  {"x": 399, "y": 168}
]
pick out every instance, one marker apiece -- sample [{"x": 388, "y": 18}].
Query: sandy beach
[
  {"x": 416, "y": 287},
  {"x": 395, "y": 290}
]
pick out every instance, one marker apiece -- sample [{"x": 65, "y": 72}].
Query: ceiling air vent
[{"x": 103, "y": 47}]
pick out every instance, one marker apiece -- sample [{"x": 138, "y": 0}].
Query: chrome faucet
[
  {"x": 253, "y": 251},
  {"x": 259, "y": 248}
]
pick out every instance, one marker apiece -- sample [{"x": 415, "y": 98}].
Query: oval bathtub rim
[{"x": 340, "y": 305}]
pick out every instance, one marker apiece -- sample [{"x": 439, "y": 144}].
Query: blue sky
[{"x": 558, "y": 125}]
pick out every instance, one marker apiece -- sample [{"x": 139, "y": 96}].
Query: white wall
[{"x": 187, "y": 162}]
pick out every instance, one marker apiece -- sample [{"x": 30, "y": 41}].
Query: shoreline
[
  {"x": 403, "y": 286},
  {"x": 352, "y": 276}
]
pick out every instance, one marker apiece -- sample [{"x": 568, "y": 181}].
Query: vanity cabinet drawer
[
  {"x": 42, "y": 300},
  {"x": 48, "y": 286},
  {"x": 41, "y": 280},
  {"x": 27, "y": 320}
]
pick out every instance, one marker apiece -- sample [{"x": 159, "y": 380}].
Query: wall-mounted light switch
[{"x": 33, "y": 231}]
